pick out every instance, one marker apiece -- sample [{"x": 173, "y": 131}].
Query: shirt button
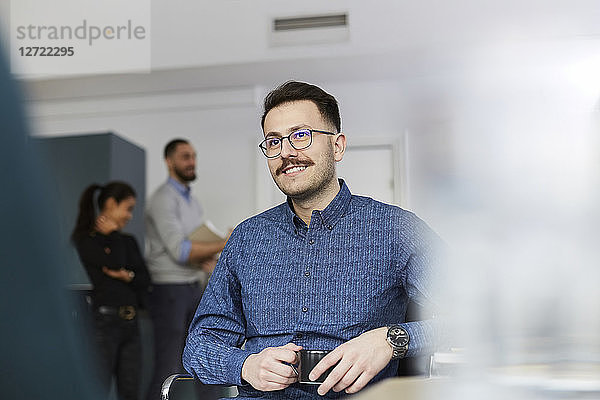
[
  {"x": 304, "y": 309},
  {"x": 329, "y": 227},
  {"x": 107, "y": 250},
  {"x": 307, "y": 273},
  {"x": 311, "y": 241}
]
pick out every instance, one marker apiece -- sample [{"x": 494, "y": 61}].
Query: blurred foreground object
[{"x": 41, "y": 353}]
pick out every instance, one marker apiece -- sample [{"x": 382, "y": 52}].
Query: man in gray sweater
[{"x": 179, "y": 267}]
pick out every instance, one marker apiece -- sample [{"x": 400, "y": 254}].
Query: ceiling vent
[{"x": 315, "y": 29}]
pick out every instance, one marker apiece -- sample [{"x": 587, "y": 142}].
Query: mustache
[{"x": 288, "y": 162}]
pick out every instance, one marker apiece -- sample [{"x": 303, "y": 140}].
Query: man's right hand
[{"x": 266, "y": 370}]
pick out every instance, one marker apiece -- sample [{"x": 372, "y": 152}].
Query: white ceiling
[{"x": 221, "y": 43}]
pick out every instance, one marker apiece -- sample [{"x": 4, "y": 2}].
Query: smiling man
[{"x": 325, "y": 270}]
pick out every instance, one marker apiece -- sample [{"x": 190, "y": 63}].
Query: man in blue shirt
[{"x": 326, "y": 270}]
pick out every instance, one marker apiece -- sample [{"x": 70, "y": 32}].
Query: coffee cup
[{"x": 307, "y": 360}]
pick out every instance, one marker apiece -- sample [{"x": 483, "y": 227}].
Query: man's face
[
  {"x": 300, "y": 174},
  {"x": 182, "y": 163}
]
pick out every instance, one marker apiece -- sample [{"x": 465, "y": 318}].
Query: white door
[
  {"x": 369, "y": 171},
  {"x": 375, "y": 168}
]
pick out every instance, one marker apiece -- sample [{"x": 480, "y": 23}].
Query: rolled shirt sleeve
[{"x": 184, "y": 254}]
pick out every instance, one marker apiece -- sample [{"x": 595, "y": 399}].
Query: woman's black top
[{"x": 115, "y": 251}]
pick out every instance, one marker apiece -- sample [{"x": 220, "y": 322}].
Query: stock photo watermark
[{"x": 79, "y": 37}]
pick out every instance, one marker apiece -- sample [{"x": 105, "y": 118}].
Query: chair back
[{"x": 185, "y": 387}]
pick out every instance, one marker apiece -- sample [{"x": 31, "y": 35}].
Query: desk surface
[
  {"x": 538, "y": 382},
  {"x": 405, "y": 388}
]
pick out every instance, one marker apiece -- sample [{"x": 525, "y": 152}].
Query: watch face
[{"x": 398, "y": 336}]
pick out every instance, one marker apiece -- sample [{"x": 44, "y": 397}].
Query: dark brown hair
[
  {"x": 172, "y": 146},
  {"x": 296, "y": 91}
]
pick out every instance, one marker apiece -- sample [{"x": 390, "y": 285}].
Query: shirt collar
[
  {"x": 182, "y": 189},
  {"x": 334, "y": 210}
]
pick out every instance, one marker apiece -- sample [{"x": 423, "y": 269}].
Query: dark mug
[{"x": 307, "y": 360}]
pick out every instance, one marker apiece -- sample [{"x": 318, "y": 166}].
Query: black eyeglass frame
[{"x": 264, "y": 148}]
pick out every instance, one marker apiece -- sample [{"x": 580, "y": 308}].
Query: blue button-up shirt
[{"x": 354, "y": 269}]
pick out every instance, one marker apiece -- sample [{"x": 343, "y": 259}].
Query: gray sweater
[{"x": 170, "y": 217}]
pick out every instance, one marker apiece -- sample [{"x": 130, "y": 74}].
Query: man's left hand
[{"x": 359, "y": 360}]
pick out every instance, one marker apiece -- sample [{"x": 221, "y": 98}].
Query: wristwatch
[{"x": 398, "y": 338}]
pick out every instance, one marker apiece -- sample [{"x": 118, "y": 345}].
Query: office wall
[
  {"x": 222, "y": 130},
  {"x": 224, "y": 127},
  {"x": 445, "y": 108}
]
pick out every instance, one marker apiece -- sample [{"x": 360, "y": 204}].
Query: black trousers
[
  {"x": 119, "y": 353},
  {"x": 172, "y": 307}
]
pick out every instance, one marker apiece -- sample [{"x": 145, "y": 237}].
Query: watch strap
[{"x": 399, "y": 352}]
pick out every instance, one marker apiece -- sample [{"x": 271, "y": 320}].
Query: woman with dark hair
[{"x": 116, "y": 268}]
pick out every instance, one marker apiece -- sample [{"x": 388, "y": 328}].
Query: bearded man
[
  {"x": 326, "y": 270},
  {"x": 173, "y": 259}
]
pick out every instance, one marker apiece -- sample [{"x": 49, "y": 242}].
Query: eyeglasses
[{"x": 299, "y": 140}]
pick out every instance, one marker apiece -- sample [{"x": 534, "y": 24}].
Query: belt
[
  {"x": 124, "y": 312},
  {"x": 177, "y": 285}
]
